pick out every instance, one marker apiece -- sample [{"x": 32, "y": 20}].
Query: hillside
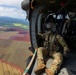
[{"x": 13, "y": 22}]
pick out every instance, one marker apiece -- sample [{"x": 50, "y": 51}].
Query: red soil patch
[
  {"x": 25, "y": 38},
  {"x": 18, "y": 34},
  {"x": 21, "y": 37}
]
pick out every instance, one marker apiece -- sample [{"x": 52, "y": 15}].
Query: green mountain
[{"x": 13, "y": 22}]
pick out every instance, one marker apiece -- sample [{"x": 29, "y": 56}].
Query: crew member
[{"x": 51, "y": 47}]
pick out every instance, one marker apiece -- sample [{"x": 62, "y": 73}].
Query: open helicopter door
[{"x": 69, "y": 65}]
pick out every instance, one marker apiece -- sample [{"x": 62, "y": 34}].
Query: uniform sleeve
[
  {"x": 63, "y": 43},
  {"x": 40, "y": 35}
]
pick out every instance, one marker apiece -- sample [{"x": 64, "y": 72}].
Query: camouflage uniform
[{"x": 51, "y": 47}]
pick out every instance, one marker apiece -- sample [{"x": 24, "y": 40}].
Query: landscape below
[{"x": 14, "y": 43}]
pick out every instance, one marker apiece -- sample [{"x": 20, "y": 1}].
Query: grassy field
[
  {"x": 15, "y": 52},
  {"x": 26, "y": 27},
  {"x": 14, "y": 47}
]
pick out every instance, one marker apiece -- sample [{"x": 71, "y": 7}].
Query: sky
[{"x": 12, "y": 8}]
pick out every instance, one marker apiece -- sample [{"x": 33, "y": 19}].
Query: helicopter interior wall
[
  {"x": 69, "y": 32},
  {"x": 71, "y": 35}
]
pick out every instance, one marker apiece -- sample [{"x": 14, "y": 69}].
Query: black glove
[
  {"x": 66, "y": 50},
  {"x": 65, "y": 53}
]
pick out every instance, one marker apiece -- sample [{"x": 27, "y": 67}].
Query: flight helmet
[{"x": 50, "y": 24}]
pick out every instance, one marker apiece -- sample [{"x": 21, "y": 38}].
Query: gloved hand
[
  {"x": 39, "y": 34},
  {"x": 66, "y": 50},
  {"x": 65, "y": 53}
]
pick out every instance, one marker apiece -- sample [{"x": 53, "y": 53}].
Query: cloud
[
  {"x": 12, "y": 8},
  {"x": 12, "y": 12},
  {"x": 11, "y": 2}
]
